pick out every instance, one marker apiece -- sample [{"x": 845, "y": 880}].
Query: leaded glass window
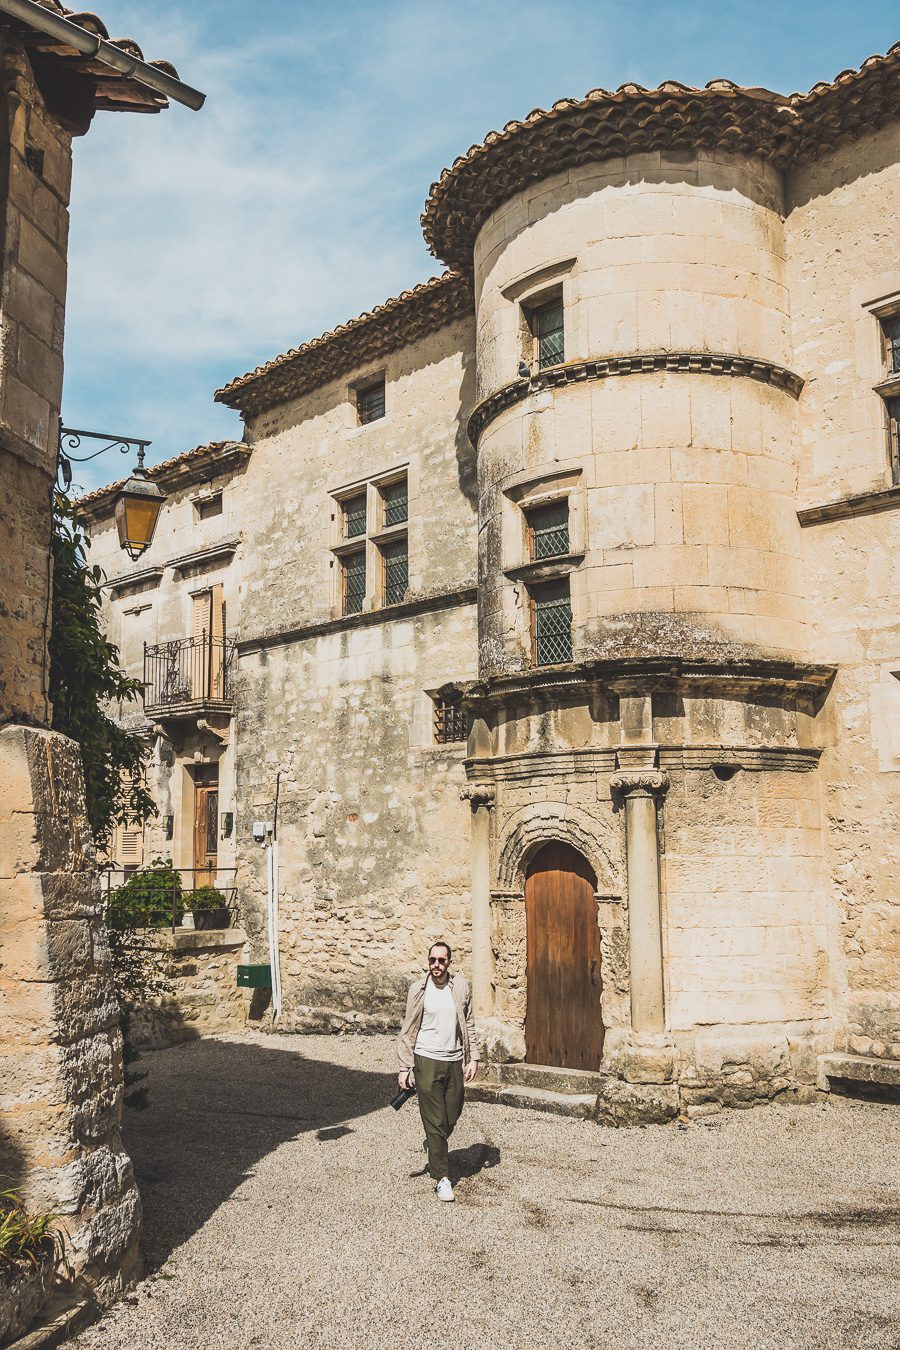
[
  {"x": 395, "y": 497},
  {"x": 354, "y": 581},
  {"x": 354, "y": 509},
  {"x": 891, "y": 329},
  {"x": 552, "y": 619},
  {"x": 548, "y": 330},
  {"x": 370, "y": 403},
  {"x": 449, "y": 722},
  {"x": 395, "y": 560},
  {"x": 548, "y": 530}
]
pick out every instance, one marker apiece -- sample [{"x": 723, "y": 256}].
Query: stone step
[
  {"x": 578, "y": 1104},
  {"x": 550, "y": 1077},
  {"x": 859, "y": 1069}
]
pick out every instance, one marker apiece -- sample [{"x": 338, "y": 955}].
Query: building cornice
[
  {"x": 194, "y": 466},
  {"x": 397, "y": 323},
  {"x": 783, "y": 128},
  {"x": 425, "y": 604},
  {"x": 637, "y": 363},
  {"x": 845, "y": 508}
]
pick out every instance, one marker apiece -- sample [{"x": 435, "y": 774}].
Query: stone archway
[{"x": 529, "y": 828}]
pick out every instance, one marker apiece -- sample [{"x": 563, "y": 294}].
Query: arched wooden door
[{"x": 563, "y": 1023}]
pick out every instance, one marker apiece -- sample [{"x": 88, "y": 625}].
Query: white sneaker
[{"x": 445, "y": 1190}]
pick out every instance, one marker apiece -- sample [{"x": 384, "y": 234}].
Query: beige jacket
[{"x": 415, "y": 1006}]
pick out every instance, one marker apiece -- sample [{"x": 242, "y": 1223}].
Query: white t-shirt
[{"x": 439, "y": 1036}]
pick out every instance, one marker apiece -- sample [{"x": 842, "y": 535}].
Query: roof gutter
[{"x": 36, "y": 16}]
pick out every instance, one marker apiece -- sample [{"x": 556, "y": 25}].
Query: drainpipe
[
  {"x": 89, "y": 44},
  {"x": 274, "y": 933}
]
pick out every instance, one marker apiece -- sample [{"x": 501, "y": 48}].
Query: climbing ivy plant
[{"x": 85, "y": 678}]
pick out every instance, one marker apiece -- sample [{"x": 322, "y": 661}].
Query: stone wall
[
  {"x": 60, "y": 1046},
  {"x": 35, "y": 174},
  {"x": 843, "y": 236},
  {"x": 204, "y": 998}
]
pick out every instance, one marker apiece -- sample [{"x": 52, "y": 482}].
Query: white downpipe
[{"x": 272, "y": 915}]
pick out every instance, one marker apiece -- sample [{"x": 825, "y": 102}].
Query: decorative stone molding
[
  {"x": 532, "y": 826},
  {"x": 423, "y": 604},
  {"x": 479, "y": 794},
  {"x": 638, "y": 363},
  {"x": 845, "y": 508},
  {"x": 759, "y": 759},
  {"x": 640, "y": 783}
]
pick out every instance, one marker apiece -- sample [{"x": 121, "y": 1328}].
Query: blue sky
[{"x": 204, "y": 243}]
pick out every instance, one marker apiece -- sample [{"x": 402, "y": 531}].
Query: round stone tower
[{"x": 643, "y": 692}]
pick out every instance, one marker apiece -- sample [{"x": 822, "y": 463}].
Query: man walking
[{"x": 437, "y": 1045}]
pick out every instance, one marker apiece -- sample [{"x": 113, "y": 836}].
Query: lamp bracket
[{"x": 71, "y": 438}]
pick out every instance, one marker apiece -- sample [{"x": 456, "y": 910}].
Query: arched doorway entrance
[{"x": 563, "y": 1023}]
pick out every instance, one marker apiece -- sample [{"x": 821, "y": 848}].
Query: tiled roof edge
[
  {"x": 396, "y": 323},
  {"x": 608, "y": 124},
  {"x": 192, "y": 466}
]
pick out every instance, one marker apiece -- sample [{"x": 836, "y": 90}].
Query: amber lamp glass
[{"x": 137, "y": 511}]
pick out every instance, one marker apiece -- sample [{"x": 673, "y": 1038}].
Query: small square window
[
  {"x": 548, "y": 530},
  {"x": 353, "y": 513},
  {"x": 370, "y": 403},
  {"x": 353, "y": 582},
  {"x": 552, "y": 624},
  {"x": 891, "y": 330},
  {"x": 395, "y": 502},
  {"x": 548, "y": 330},
  {"x": 449, "y": 722},
  {"x": 208, "y": 507},
  {"x": 395, "y": 562}
]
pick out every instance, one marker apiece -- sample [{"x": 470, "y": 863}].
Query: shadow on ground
[{"x": 217, "y": 1108}]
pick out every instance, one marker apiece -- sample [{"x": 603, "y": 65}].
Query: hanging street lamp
[
  {"x": 137, "y": 510},
  {"x": 138, "y": 500}
]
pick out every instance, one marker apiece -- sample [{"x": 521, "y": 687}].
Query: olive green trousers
[{"x": 439, "y": 1085}]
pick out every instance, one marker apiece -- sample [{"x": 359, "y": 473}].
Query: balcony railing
[
  {"x": 162, "y": 896},
  {"x": 187, "y": 672}
]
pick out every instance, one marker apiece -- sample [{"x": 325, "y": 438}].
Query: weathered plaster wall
[
  {"x": 843, "y": 233},
  {"x": 682, "y": 484}
]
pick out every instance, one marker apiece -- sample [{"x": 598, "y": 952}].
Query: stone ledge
[
  {"x": 859, "y": 1069},
  {"x": 844, "y": 508},
  {"x": 580, "y": 1105},
  {"x": 197, "y": 939},
  {"x": 425, "y": 604}
]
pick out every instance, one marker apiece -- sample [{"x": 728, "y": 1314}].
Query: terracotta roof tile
[
  {"x": 192, "y": 466},
  {"x": 604, "y": 125},
  {"x": 396, "y": 323}
]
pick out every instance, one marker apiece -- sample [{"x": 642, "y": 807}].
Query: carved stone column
[
  {"x": 641, "y": 790},
  {"x": 480, "y": 797}
]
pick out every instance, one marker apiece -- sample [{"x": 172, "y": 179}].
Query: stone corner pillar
[
  {"x": 60, "y": 1045},
  {"x": 481, "y": 797},
  {"x": 642, "y": 790}
]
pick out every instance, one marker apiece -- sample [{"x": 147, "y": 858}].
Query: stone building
[
  {"x": 616, "y": 498},
  {"x": 60, "y": 1046}
]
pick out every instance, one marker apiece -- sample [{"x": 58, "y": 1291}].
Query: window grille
[
  {"x": 370, "y": 403},
  {"x": 354, "y": 578},
  {"x": 354, "y": 510},
  {"x": 891, "y": 328},
  {"x": 893, "y": 411},
  {"x": 552, "y": 619},
  {"x": 395, "y": 560},
  {"x": 449, "y": 722},
  {"x": 548, "y": 529},
  {"x": 548, "y": 329},
  {"x": 395, "y": 497}
]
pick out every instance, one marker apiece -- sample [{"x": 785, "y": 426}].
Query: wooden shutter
[
  {"x": 217, "y": 645},
  {"x": 199, "y": 650}
]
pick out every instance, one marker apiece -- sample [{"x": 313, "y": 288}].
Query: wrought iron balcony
[{"x": 189, "y": 675}]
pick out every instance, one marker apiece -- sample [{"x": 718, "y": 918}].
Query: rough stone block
[{"x": 622, "y": 1104}]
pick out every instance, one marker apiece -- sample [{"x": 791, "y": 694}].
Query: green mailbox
[{"x": 254, "y": 977}]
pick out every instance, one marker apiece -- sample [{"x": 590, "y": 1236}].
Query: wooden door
[
  {"x": 563, "y": 1023},
  {"x": 206, "y": 833}
]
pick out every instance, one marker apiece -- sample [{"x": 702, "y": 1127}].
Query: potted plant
[
  {"x": 30, "y": 1251},
  {"x": 150, "y": 898},
  {"x": 209, "y": 907}
]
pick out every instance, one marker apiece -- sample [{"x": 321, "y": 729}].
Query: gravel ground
[{"x": 286, "y": 1206}]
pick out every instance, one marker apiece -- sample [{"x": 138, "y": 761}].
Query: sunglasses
[{"x": 437, "y": 960}]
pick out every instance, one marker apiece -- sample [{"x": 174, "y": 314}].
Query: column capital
[
  {"x": 639, "y": 783},
  {"x": 479, "y": 794}
]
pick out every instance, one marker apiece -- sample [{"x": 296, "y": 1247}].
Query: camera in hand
[{"x": 403, "y": 1097}]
